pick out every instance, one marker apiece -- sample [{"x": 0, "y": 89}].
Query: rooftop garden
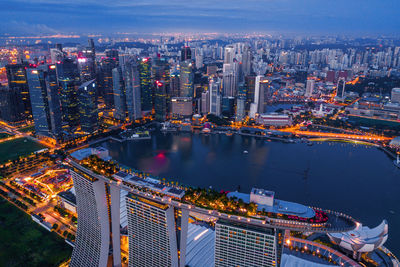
[
  {"x": 208, "y": 198},
  {"x": 214, "y": 200},
  {"x": 99, "y": 166}
]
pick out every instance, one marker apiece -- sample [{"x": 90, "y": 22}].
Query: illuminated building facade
[
  {"x": 88, "y": 113},
  {"x": 160, "y": 101},
  {"x": 238, "y": 244},
  {"x": 186, "y": 79},
  {"x": 10, "y": 106},
  {"x": 182, "y": 107},
  {"x": 93, "y": 232},
  {"x": 68, "y": 79},
  {"x": 106, "y": 67},
  {"x": 46, "y": 109},
  {"x": 132, "y": 88},
  {"x": 186, "y": 53},
  {"x": 17, "y": 81},
  {"x": 151, "y": 233},
  {"x": 145, "y": 86},
  {"x": 215, "y": 97},
  {"x": 119, "y": 94}
]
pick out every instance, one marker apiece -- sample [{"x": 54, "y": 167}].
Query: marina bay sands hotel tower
[
  {"x": 153, "y": 219},
  {"x": 155, "y": 230}
]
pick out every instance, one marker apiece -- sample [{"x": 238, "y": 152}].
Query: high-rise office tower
[
  {"x": 245, "y": 245},
  {"x": 246, "y": 61},
  {"x": 17, "y": 81},
  {"x": 230, "y": 79},
  {"x": 10, "y": 106},
  {"x": 228, "y": 106},
  {"x": 44, "y": 94},
  {"x": 199, "y": 61},
  {"x": 160, "y": 72},
  {"x": 261, "y": 94},
  {"x": 309, "y": 87},
  {"x": 229, "y": 54},
  {"x": 241, "y": 102},
  {"x": 186, "y": 78},
  {"x": 160, "y": 101},
  {"x": 68, "y": 80},
  {"x": 186, "y": 53},
  {"x": 105, "y": 81},
  {"x": 250, "y": 83},
  {"x": 145, "y": 85},
  {"x": 205, "y": 102},
  {"x": 132, "y": 87},
  {"x": 215, "y": 96},
  {"x": 340, "y": 87},
  {"x": 88, "y": 113},
  {"x": 181, "y": 107},
  {"x": 174, "y": 85},
  {"x": 87, "y": 62},
  {"x": 119, "y": 93},
  {"x": 56, "y": 55}
]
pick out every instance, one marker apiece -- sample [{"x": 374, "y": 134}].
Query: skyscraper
[
  {"x": 246, "y": 61},
  {"x": 261, "y": 94},
  {"x": 186, "y": 53},
  {"x": 245, "y": 245},
  {"x": 340, "y": 87},
  {"x": 205, "y": 102},
  {"x": 150, "y": 232},
  {"x": 17, "y": 81},
  {"x": 230, "y": 79},
  {"x": 309, "y": 87},
  {"x": 145, "y": 85},
  {"x": 229, "y": 54},
  {"x": 88, "y": 113},
  {"x": 105, "y": 81},
  {"x": 241, "y": 102},
  {"x": 215, "y": 96},
  {"x": 132, "y": 87},
  {"x": 10, "y": 106},
  {"x": 174, "y": 85},
  {"x": 186, "y": 79},
  {"x": 160, "y": 101},
  {"x": 119, "y": 93},
  {"x": 93, "y": 234},
  {"x": 68, "y": 79},
  {"x": 46, "y": 108}
]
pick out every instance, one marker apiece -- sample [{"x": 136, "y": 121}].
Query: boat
[
  {"x": 229, "y": 133},
  {"x": 397, "y": 162},
  {"x": 245, "y": 152}
]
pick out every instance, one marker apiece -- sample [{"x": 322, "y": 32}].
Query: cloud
[
  {"x": 106, "y": 16},
  {"x": 21, "y": 27}
]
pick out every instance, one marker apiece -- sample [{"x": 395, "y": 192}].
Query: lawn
[
  {"x": 27, "y": 129},
  {"x": 4, "y": 135},
  {"x": 24, "y": 243},
  {"x": 13, "y": 149}
]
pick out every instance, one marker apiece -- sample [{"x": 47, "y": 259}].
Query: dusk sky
[{"x": 270, "y": 16}]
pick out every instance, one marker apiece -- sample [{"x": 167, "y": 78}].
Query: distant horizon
[{"x": 294, "y": 17}]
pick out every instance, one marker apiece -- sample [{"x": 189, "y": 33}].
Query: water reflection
[{"x": 358, "y": 180}]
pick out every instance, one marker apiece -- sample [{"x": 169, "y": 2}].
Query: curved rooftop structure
[
  {"x": 362, "y": 238},
  {"x": 277, "y": 206},
  {"x": 395, "y": 142}
]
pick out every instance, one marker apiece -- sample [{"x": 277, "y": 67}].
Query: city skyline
[{"x": 22, "y": 17}]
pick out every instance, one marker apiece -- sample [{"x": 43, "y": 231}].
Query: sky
[{"x": 356, "y": 17}]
